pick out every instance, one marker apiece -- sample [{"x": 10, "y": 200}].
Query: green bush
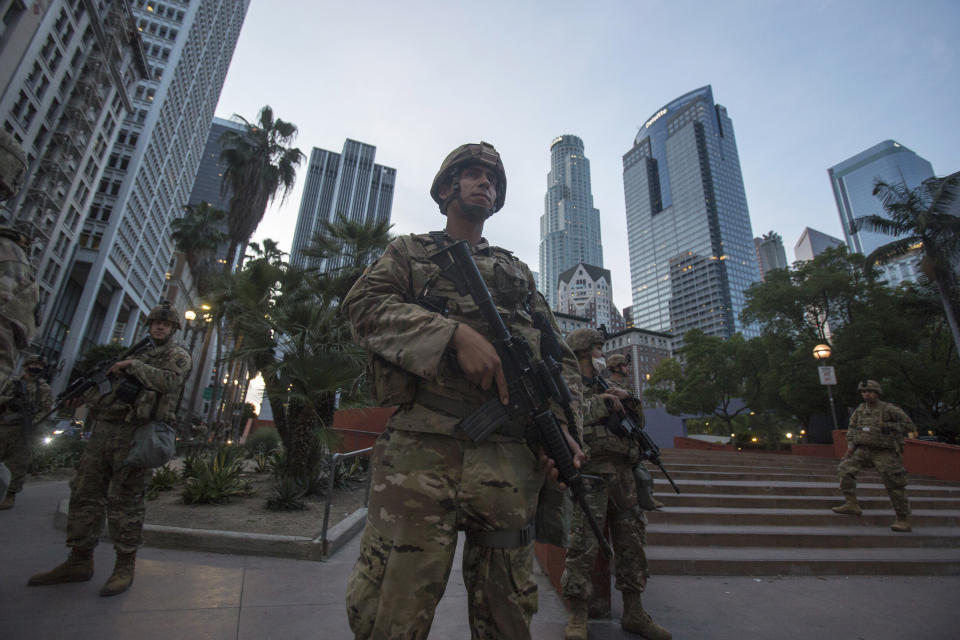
[
  {"x": 287, "y": 494},
  {"x": 192, "y": 462},
  {"x": 217, "y": 479},
  {"x": 60, "y": 452},
  {"x": 164, "y": 478},
  {"x": 263, "y": 440},
  {"x": 261, "y": 462}
]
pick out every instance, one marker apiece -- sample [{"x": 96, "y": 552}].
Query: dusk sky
[{"x": 807, "y": 85}]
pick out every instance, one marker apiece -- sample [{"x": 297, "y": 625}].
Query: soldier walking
[
  {"x": 432, "y": 355},
  {"x": 875, "y": 439},
  {"x": 613, "y": 498},
  {"x": 23, "y": 400},
  {"x": 146, "y": 388}
]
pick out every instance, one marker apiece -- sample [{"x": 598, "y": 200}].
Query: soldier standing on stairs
[{"x": 875, "y": 439}]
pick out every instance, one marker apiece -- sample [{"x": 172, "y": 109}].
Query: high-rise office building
[
  {"x": 570, "y": 225},
  {"x": 348, "y": 184},
  {"x": 123, "y": 248},
  {"x": 812, "y": 243},
  {"x": 688, "y": 226},
  {"x": 853, "y": 180},
  {"x": 770, "y": 252}
]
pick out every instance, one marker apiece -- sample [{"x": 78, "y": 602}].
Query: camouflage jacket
[
  {"x": 160, "y": 371},
  {"x": 38, "y": 396},
  {"x": 405, "y": 314},
  {"x": 884, "y": 425},
  {"x": 19, "y": 294},
  {"x": 605, "y": 449}
]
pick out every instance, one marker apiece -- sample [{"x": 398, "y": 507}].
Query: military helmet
[
  {"x": 616, "y": 360},
  {"x": 164, "y": 311},
  {"x": 869, "y": 385},
  {"x": 580, "y": 340},
  {"x": 466, "y": 154},
  {"x": 20, "y": 233},
  {"x": 36, "y": 359}
]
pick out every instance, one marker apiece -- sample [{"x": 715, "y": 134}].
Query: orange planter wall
[
  {"x": 358, "y": 428},
  {"x": 813, "y": 450},
  {"x": 682, "y": 442}
]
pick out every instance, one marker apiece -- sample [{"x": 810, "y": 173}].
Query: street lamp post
[{"x": 827, "y": 377}]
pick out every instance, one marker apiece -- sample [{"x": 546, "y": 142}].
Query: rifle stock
[{"x": 531, "y": 383}]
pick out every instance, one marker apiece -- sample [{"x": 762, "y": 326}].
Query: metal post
[{"x": 833, "y": 412}]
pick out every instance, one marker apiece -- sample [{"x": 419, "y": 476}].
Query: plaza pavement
[{"x": 190, "y": 594}]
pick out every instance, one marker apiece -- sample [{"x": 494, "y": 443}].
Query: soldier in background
[
  {"x": 618, "y": 368},
  {"x": 433, "y": 357},
  {"x": 23, "y": 400},
  {"x": 147, "y": 387},
  {"x": 613, "y": 499},
  {"x": 19, "y": 296},
  {"x": 875, "y": 439}
]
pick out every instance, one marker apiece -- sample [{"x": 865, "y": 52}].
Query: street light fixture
[{"x": 827, "y": 377}]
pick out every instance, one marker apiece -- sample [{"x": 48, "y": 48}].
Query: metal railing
[{"x": 333, "y": 476}]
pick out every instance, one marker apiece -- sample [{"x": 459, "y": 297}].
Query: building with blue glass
[
  {"x": 570, "y": 225},
  {"x": 692, "y": 255}
]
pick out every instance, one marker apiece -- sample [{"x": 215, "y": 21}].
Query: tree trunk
[{"x": 943, "y": 288}]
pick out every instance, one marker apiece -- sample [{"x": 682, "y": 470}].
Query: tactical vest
[
  {"x": 602, "y": 442},
  {"x": 877, "y": 427},
  {"x": 147, "y": 404},
  {"x": 512, "y": 290}
]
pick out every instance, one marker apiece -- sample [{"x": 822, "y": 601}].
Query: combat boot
[
  {"x": 577, "y": 621},
  {"x": 850, "y": 507},
  {"x": 902, "y": 525},
  {"x": 122, "y": 576},
  {"x": 77, "y": 568},
  {"x": 8, "y": 501},
  {"x": 636, "y": 620}
]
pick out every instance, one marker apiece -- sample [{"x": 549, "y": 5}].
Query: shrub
[
  {"x": 261, "y": 462},
  {"x": 61, "y": 452},
  {"x": 164, "y": 478},
  {"x": 263, "y": 440},
  {"x": 217, "y": 479},
  {"x": 287, "y": 494}
]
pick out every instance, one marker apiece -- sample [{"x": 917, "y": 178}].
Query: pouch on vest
[
  {"x": 153, "y": 445},
  {"x": 391, "y": 385},
  {"x": 644, "y": 487}
]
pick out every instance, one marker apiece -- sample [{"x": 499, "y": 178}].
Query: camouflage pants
[
  {"x": 9, "y": 349},
  {"x": 613, "y": 500},
  {"x": 424, "y": 489},
  {"x": 888, "y": 464},
  {"x": 103, "y": 484},
  {"x": 15, "y": 453}
]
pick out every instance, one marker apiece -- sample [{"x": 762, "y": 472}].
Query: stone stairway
[{"x": 769, "y": 514}]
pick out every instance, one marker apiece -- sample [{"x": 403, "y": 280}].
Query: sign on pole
[{"x": 827, "y": 375}]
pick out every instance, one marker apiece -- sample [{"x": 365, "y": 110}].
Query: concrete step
[
  {"x": 799, "y": 472},
  {"x": 700, "y": 535},
  {"x": 796, "y": 502},
  {"x": 804, "y": 488},
  {"x": 784, "y": 477},
  {"x": 765, "y": 561},
  {"x": 798, "y": 517}
]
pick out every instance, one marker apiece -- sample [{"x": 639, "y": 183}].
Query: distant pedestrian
[
  {"x": 23, "y": 400},
  {"x": 875, "y": 439}
]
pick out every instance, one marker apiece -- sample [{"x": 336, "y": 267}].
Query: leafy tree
[
  {"x": 921, "y": 216},
  {"x": 261, "y": 165},
  {"x": 197, "y": 234},
  {"x": 711, "y": 381}
]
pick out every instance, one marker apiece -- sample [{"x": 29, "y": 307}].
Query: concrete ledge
[{"x": 239, "y": 542}]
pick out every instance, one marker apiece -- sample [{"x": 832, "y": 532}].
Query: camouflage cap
[
  {"x": 616, "y": 360},
  {"x": 466, "y": 154},
  {"x": 869, "y": 385},
  {"x": 580, "y": 340},
  {"x": 165, "y": 311}
]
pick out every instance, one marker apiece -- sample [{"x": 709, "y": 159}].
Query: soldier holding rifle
[{"x": 23, "y": 399}]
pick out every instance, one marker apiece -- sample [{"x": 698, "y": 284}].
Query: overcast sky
[{"x": 807, "y": 85}]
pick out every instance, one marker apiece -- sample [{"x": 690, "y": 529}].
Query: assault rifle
[
  {"x": 98, "y": 377},
  {"x": 531, "y": 383},
  {"x": 625, "y": 425}
]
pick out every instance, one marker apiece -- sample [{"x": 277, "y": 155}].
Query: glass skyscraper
[
  {"x": 688, "y": 227},
  {"x": 570, "y": 225},
  {"x": 853, "y": 179}
]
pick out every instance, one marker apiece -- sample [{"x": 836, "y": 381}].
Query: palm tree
[
  {"x": 920, "y": 217},
  {"x": 343, "y": 248},
  {"x": 197, "y": 234},
  {"x": 260, "y": 166}
]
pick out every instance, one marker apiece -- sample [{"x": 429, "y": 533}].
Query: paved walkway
[{"x": 186, "y": 594}]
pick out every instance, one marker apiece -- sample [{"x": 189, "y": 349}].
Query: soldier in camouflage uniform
[
  {"x": 28, "y": 392},
  {"x": 432, "y": 356},
  {"x": 618, "y": 372},
  {"x": 19, "y": 296},
  {"x": 875, "y": 439},
  {"x": 613, "y": 499},
  {"x": 146, "y": 388}
]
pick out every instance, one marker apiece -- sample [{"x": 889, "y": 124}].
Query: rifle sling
[{"x": 479, "y": 423}]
